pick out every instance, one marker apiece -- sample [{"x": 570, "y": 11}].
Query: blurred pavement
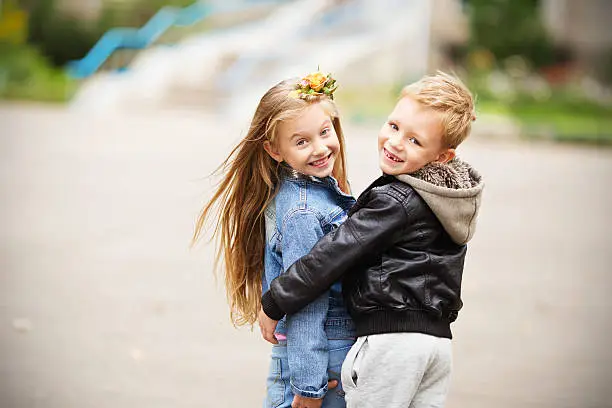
[{"x": 104, "y": 304}]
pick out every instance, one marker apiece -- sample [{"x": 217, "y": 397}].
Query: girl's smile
[
  {"x": 322, "y": 162},
  {"x": 308, "y": 142}
]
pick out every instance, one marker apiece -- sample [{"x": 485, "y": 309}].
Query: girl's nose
[{"x": 320, "y": 149}]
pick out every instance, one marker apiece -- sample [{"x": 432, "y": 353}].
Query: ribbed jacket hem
[{"x": 408, "y": 321}]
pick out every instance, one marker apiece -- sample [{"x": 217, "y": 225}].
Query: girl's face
[{"x": 307, "y": 143}]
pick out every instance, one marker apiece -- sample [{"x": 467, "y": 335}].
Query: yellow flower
[{"x": 316, "y": 81}]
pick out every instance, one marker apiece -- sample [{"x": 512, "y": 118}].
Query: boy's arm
[{"x": 369, "y": 230}]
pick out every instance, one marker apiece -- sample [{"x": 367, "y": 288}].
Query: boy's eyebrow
[
  {"x": 411, "y": 131},
  {"x": 395, "y": 119}
]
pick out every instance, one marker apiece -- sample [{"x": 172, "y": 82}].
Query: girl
[{"x": 284, "y": 187}]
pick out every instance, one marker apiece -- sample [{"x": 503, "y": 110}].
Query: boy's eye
[
  {"x": 393, "y": 126},
  {"x": 413, "y": 140},
  {"x": 301, "y": 142}
]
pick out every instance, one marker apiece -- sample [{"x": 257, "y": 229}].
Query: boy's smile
[
  {"x": 411, "y": 138},
  {"x": 391, "y": 156}
]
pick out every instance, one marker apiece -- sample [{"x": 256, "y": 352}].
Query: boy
[{"x": 400, "y": 254}]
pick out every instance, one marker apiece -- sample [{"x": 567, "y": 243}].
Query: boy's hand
[{"x": 267, "y": 327}]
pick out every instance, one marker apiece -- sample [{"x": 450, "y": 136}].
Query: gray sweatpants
[{"x": 397, "y": 370}]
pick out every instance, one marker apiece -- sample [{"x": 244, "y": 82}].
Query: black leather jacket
[{"x": 401, "y": 270}]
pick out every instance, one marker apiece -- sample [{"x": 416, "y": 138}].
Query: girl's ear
[
  {"x": 446, "y": 156},
  {"x": 271, "y": 150}
]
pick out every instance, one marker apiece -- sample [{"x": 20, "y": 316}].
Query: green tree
[
  {"x": 510, "y": 27},
  {"x": 59, "y": 37}
]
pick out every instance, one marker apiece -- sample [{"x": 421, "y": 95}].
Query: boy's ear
[
  {"x": 271, "y": 150},
  {"x": 446, "y": 156}
]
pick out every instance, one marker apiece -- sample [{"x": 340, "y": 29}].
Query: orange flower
[{"x": 316, "y": 81}]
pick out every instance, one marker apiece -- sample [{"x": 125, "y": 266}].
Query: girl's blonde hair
[
  {"x": 450, "y": 97},
  {"x": 250, "y": 182}
]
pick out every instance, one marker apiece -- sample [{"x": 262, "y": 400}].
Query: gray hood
[{"x": 453, "y": 191}]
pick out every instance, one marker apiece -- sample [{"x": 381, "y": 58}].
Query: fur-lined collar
[
  {"x": 454, "y": 174},
  {"x": 452, "y": 191}
]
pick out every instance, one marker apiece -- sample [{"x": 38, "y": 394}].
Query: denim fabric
[
  {"x": 304, "y": 209},
  {"x": 280, "y": 394}
]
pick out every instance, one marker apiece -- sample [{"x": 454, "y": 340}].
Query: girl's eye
[
  {"x": 325, "y": 132},
  {"x": 301, "y": 142},
  {"x": 393, "y": 126},
  {"x": 413, "y": 140}
]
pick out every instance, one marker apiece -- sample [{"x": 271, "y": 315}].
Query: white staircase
[{"x": 361, "y": 41}]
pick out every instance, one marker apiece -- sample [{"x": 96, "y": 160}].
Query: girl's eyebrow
[{"x": 326, "y": 122}]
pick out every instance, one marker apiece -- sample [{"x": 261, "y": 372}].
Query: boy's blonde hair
[{"x": 450, "y": 97}]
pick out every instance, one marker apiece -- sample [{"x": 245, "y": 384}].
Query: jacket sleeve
[
  {"x": 306, "y": 338},
  {"x": 369, "y": 230}
]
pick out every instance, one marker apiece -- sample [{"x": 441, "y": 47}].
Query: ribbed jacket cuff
[{"x": 270, "y": 307}]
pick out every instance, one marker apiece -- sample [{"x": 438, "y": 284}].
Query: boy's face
[{"x": 411, "y": 138}]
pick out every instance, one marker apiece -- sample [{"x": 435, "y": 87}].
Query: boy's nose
[{"x": 395, "y": 140}]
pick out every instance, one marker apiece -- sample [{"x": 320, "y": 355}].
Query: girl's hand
[
  {"x": 303, "y": 402},
  {"x": 267, "y": 327}
]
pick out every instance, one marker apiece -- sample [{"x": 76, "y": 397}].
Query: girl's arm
[{"x": 306, "y": 338}]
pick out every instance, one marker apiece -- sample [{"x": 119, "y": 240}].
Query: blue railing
[
  {"x": 136, "y": 39},
  {"x": 132, "y": 38}
]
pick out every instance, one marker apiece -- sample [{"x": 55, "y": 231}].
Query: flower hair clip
[{"x": 315, "y": 84}]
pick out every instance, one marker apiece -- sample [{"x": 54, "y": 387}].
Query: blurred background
[
  {"x": 114, "y": 114},
  {"x": 545, "y": 65}
]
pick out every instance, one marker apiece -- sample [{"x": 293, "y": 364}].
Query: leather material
[{"x": 400, "y": 268}]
